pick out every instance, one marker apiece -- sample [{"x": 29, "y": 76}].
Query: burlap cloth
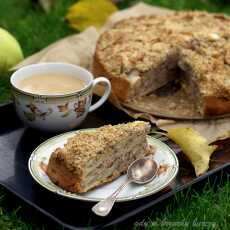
[{"x": 78, "y": 49}]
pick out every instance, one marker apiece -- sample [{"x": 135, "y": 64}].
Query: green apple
[{"x": 10, "y": 51}]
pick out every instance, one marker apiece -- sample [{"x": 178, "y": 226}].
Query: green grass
[
  {"x": 189, "y": 210},
  {"x": 10, "y": 219},
  {"x": 208, "y": 5},
  {"x": 209, "y": 210},
  {"x": 34, "y": 30}
]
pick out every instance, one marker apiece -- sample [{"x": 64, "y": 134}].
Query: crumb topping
[
  {"x": 87, "y": 144},
  {"x": 201, "y": 40}
]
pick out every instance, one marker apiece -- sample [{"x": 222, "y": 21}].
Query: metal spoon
[{"x": 141, "y": 171}]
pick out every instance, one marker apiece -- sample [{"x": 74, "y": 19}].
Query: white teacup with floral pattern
[{"x": 59, "y": 112}]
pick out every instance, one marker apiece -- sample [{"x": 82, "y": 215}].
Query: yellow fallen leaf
[
  {"x": 87, "y": 13},
  {"x": 194, "y": 146}
]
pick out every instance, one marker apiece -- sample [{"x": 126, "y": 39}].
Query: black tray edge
[
  {"x": 126, "y": 216},
  {"x": 171, "y": 193},
  {"x": 12, "y": 190},
  {"x": 122, "y": 218}
]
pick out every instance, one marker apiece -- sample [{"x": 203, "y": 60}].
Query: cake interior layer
[
  {"x": 178, "y": 98},
  {"x": 147, "y": 82},
  {"x": 114, "y": 161},
  {"x": 191, "y": 90}
]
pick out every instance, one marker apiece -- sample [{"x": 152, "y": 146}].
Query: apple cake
[
  {"x": 94, "y": 157},
  {"x": 140, "y": 55}
]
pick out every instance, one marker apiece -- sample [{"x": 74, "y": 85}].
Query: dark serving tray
[{"x": 17, "y": 143}]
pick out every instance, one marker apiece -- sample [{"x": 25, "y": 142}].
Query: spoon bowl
[{"x": 142, "y": 170}]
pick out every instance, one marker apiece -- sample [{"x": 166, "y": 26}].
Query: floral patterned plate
[{"x": 165, "y": 157}]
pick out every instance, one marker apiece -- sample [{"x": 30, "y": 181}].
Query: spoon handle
[{"x": 104, "y": 207}]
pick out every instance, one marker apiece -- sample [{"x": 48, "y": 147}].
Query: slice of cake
[
  {"x": 94, "y": 157},
  {"x": 207, "y": 81}
]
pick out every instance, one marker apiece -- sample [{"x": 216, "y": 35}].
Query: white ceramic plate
[{"x": 163, "y": 155}]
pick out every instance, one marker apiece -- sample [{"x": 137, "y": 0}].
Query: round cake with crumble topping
[{"x": 141, "y": 55}]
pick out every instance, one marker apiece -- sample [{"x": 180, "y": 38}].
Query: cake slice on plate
[{"x": 94, "y": 157}]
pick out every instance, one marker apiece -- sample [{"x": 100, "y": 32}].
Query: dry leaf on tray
[
  {"x": 212, "y": 130},
  {"x": 194, "y": 146},
  {"x": 87, "y": 13}
]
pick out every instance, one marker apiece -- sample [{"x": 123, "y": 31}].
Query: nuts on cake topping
[
  {"x": 201, "y": 41},
  {"x": 87, "y": 144}
]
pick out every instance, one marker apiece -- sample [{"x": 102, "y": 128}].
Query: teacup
[{"x": 59, "y": 112}]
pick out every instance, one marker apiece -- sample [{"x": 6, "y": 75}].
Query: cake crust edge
[
  {"x": 214, "y": 106},
  {"x": 120, "y": 86}
]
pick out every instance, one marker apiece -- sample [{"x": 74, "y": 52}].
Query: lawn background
[{"x": 34, "y": 30}]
